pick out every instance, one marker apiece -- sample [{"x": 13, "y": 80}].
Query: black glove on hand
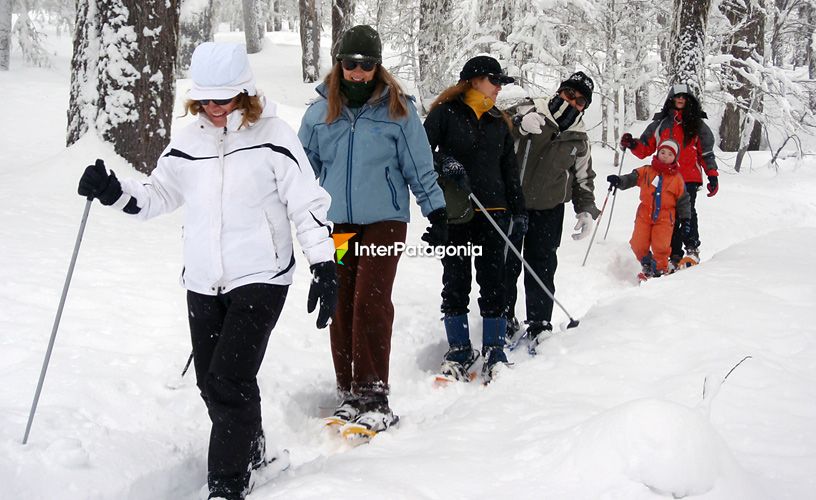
[
  {"x": 450, "y": 168},
  {"x": 713, "y": 185},
  {"x": 437, "y": 232},
  {"x": 324, "y": 288},
  {"x": 613, "y": 180},
  {"x": 627, "y": 141},
  {"x": 97, "y": 183},
  {"x": 520, "y": 226}
]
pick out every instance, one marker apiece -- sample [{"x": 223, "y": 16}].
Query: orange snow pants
[{"x": 656, "y": 234}]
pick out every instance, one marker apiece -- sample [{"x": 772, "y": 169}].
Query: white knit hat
[
  {"x": 220, "y": 71},
  {"x": 670, "y": 145}
]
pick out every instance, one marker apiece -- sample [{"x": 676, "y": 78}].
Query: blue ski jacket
[{"x": 367, "y": 160}]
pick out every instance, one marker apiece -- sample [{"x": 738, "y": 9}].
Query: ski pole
[
  {"x": 521, "y": 179},
  {"x": 614, "y": 197},
  {"x": 596, "y": 226},
  {"x": 57, "y": 319},
  {"x": 187, "y": 366},
  {"x": 572, "y": 322}
]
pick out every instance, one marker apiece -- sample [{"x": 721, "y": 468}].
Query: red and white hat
[{"x": 671, "y": 145}]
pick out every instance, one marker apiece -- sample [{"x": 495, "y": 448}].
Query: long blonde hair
[
  {"x": 250, "y": 105},
  {"x": 454, "y": 91},
  {"x": 396, "y": 98}
]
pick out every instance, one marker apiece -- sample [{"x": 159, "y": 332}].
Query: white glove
[
  {"x": 531, "y": 123},
  {"x": 583, "y": 226}
]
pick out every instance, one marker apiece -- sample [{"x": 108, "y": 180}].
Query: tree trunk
[
  {"x": 310, "y": 39},
  {"x": 745, "y": 46},
  {"x": 688, "y": 44},
  {"x": 5, "y": 34},
  {"x": 134, "y": 75},
  {"x": 642, "y": 105},
  {"x": 84, "y": 59},
  {"x": 342, "y": 17},
  {"x": 811, "y": 56},
  {"x": 251, "y": 29},
  {"x": 433, "y": 42},
  {"x": 195, "y": 27},
  {"x": 277, "y": 17}
]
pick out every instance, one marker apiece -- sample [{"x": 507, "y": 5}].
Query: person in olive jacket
[
  {"x": 473, "y": 146},
  {"x": 556, "y": 166}
]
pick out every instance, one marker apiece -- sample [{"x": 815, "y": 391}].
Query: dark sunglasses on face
[
  {"x": 571, "y": 95},
  {"x": 220, "y": 102},
  {"x": 681, "y": 96},
  {"x": 365, "y": 64}
]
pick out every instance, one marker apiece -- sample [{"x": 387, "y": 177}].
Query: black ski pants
[
  {"x": 456, "y": 273},
  {"x": 539, "y": 250},
  {"x": 694, "y": 237},
  {"x": 229, "y": 334}
]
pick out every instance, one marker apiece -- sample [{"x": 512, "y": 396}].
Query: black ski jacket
[{"x": 484, "y": 147}]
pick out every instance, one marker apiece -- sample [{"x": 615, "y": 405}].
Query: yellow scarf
[{"x": 478, "y": 102}]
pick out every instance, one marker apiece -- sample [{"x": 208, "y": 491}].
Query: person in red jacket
[
  {"x": 663, "y": 201},
  {"x": 681, "y": 120}
]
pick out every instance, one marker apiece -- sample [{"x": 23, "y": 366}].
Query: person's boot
[
  {"x": 461, "y": 356},
  {"x": 493, "y": 340},
  {"x": 513, "y": 327}
]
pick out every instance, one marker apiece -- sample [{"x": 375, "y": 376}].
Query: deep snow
[{"x": 612, "y": 409}]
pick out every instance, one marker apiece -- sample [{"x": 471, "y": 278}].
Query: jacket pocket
[
  {"x": 392, "y": 188},
  {"x": 271, "y": 227}
]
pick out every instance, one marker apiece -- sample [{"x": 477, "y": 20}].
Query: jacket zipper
[
  {"x": 220, "y": 146},
  {"x": 349, "y": 165},
  {"x": 392, "y": 188}
]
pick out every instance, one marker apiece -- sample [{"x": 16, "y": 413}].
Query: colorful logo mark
[{"x": 341, "y": 245}]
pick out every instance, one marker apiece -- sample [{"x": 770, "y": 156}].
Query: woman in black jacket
[{"x": 473, "y": 149}]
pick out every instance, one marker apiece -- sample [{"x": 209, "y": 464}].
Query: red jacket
[{"x": 694, "y": 157}]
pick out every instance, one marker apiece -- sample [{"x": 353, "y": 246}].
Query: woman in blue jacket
[{"x": 367, "y": 146}]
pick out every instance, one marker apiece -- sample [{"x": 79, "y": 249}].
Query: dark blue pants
[
  {"x": 540, "y": 245},
  {"x": 456, "y": 274},
  {"x": 229, "y": 334}
]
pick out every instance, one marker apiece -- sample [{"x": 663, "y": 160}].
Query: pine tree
[
  {"x": 310, "y": 39},
  {"x": 122, "y": 79},
  {"x": 687, "y": 49},
  {"x": 5, "y": 34}
]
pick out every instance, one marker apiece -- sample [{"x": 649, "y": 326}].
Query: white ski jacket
[{"x": 241, "y": 189}]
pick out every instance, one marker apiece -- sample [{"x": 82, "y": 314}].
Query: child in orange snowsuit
[{"x": 662, "y": 192}]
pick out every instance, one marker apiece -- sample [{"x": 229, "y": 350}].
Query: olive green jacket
[{"x": 556, "y": 167}]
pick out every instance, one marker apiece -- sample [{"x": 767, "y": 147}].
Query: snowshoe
[
  {"x": 495, "y": 362},
  {"x": 343, "y": 414},
  {"x": 269, "y": 469},
  {"x": 538, "y": 333},
  {"x": 513, "y": 327},
  {"x": 456, "y": 366},
  {"x": 368, "y": 424}
]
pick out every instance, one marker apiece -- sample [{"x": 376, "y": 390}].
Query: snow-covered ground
[{"x": 613, "y": 409}]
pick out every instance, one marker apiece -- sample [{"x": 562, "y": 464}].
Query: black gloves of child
[
  {"x": 713, "y": 185},
  {"x": 324, "y": 289},
  {"x": 437, "y": 232},
  {"x": 627, "y": 141},
  {"x": 97, "y": 183},
  {"x": 613, "y": 180},
  {"x": 520, "y": 226}
]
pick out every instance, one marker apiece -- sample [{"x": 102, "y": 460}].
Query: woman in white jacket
[{"x": 243, "y": 176}]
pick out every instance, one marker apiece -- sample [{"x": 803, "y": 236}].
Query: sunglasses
[
  {"x": 365, "y": 64},
  {"x": 220, "y": 102},
  {"x": 572, "y": 96}
]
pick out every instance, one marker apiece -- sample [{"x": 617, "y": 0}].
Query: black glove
[
  {"x": 713, "y": 185},
  {"x": 520, "y": 226},
  {"x": 450, "y": 168},
  {"x": 627, "y": 141},
  {"x": 324, "y": 287},
  {"x": 97, "y": 183},
  {"x": 613, "y": 180},
  {"x": 685, "y": 230},
  {"x": 437, "y": 232}
]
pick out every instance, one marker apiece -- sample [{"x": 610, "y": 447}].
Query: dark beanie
[
  {"x": 360, "y": 42},
  {"x": 580, "y": 82}
]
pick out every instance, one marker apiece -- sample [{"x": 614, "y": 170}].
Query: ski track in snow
[{"x": 612, "y": 409}]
